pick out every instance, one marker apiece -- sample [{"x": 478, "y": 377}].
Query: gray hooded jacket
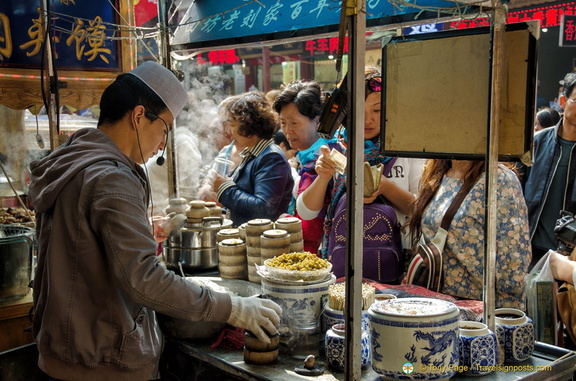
[{"x": 98, "y": 280}]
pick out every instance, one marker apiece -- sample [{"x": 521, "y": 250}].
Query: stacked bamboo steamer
[
  {"x": 232, "y": 260},
  {"x": 254, "y": 229},
  {"x": 273, "y": 243},
  {"x": 294, "y": 227},
  {"x": 258, "y": 239},
  {"x": 257, "y": 352}
]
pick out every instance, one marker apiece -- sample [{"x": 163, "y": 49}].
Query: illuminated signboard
[
  {"x": 214, "y": 23},
  {"x": 568, "y": 30},
  {"x": 548, "y": 16},
  {"x": 82, "y": 34}
]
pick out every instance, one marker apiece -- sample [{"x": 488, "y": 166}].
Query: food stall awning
[{"x": 219, "y": 23}]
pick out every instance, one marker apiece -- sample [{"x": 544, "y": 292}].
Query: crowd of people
[{"x": 99, "y": 280}]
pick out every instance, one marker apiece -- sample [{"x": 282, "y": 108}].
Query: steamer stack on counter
[
  {"x": 254, "y": 229},
  {"x": 256, "y": 241},
  {"x": 294, "y": 227}
]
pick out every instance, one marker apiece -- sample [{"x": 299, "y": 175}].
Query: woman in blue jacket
[{"x": 261, "y": 185}]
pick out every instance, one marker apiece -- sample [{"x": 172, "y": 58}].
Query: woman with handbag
[
  {"x": 463, "y": 251},
  {"x": 299, "y": 106},
  {"x": 398, "y": 191}
]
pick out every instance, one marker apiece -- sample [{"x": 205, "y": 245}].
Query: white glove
[{"x": 254, "y": 314}]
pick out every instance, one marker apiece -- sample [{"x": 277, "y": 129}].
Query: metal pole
[
  {"x": 356, "y": 14},
  {"x": 266, "y": 80},
  {"x": 51, "y": 108},
  {"x": 165, "y": 59},
  {"x": 497, "y": 76}
]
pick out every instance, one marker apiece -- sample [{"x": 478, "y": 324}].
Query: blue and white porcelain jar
[
  {"x": 335, "y": 346},
  {"x": 515, "y": 333},
  {"x": 478, "y": 349},
  {"x": 414, "y": 338},
  {"x": 331, "y": 317}
]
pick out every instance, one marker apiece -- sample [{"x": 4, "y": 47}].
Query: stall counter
[
  {"x": 14, "y": 323},
  {"x": 183, "y": 359}
]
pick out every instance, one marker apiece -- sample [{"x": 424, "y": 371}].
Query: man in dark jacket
[
  {"x": 98, "y": 280},
  {"x": 550, "y": 185}
]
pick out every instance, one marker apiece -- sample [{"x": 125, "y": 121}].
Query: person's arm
[
  {"x": 271, "y": 176},
  {"x": 400, "y": 198},
  {"x": 563, "y": 268},
  {"x": 313, "y": 197}
]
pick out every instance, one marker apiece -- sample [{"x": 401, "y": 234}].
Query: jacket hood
[{"x": 85, "y": 147}]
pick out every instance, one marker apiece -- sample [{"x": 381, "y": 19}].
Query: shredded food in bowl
[{"x": 300, "y": 261}]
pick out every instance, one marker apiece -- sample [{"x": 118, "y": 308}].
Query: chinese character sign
[
  {"x": 568, "y": 30},
  {"x": 223, "y": 20},
  {"x": 81, "y": 35}
]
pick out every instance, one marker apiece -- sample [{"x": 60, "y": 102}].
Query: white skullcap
[{"x": 164, "y": 83}]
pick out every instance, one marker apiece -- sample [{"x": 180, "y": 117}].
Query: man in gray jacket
[{"x": 98, "y": 280}]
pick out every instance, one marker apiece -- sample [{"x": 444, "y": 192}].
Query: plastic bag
[{"x": 541, "y": 290}]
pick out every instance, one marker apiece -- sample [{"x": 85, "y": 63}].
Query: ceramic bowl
[
  {"x": 515, "y": 332},
  {"x": 414, "y": 338},
  {"x": 478, "y": 349}
]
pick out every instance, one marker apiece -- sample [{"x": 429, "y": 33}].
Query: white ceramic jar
[
  {"x": 414, "y": 338},
  {"x": 478, "y": 349}
]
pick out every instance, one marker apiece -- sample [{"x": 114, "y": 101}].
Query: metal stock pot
[{"x": 195, "y": 246}]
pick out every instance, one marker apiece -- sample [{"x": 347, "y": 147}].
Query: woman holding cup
[{"x": 260, "y": 186}]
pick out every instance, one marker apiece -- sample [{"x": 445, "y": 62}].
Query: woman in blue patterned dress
[{"x": 464, "y": 250}]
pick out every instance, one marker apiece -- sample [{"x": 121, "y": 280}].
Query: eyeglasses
[
  {"x": 153, "y": 117},
  {"x": 571, "y": 100},
  {"x": 374, "y": 83}
]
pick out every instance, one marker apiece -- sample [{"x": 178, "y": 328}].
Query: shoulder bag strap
[{"x": 460, "y": 196}]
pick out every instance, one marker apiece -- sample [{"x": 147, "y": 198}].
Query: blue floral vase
[
  {"x": 335, "y": 343},
  {"x": 478, "y": 349},
  {"x": 515, "y": 333}
]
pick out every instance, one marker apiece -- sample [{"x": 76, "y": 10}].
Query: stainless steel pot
[
  {"x": 16, "y": 251},
  {"x": 195, "y": 246}
]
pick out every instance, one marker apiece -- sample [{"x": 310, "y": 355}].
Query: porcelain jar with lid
[
  {"x": 415, "y": 338},
  {"x": 515, "y": 333},
  {"x": 478, "y": 349},
  {"x": 335, "y": 347}
]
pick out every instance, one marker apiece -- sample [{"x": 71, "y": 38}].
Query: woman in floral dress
[{"x": 463, "y": 253}]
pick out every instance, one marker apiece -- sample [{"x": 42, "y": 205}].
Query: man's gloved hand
[{"x": 256, "y": 314}]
